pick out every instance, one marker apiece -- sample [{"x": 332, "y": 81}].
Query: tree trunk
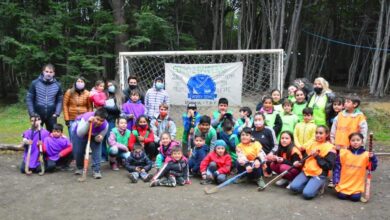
[
  {"x": 215, "y": 9},
  {"x": 119, "y": 16}
]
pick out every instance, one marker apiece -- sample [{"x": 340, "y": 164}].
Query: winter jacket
[
  {"x": 136, "y": 132},
  {"x": 211, "y": 137},
  {"x": 224, "y": 163},
  {"x": 153, "y": 99},
  {"x": 177, "y": 168},
  {"x": 130, "y": 108},
  {"x": 160, "y": 126},
  {"x": 112, "y": 109},
  {"x": 165, "y": 152},
  {"x": 267, "y": 139},
  {"x": 188, "y": 123},
  {"x": 198, "y": 154},
  {"x": 75, "y": 104},
  {"x": 231, "y": 141},
  {"x": 132, "y": 162},
  {"x": 98, "y": 98},
  {"x": 304, "y": 133},
  {"x": 44, "y": 98}
]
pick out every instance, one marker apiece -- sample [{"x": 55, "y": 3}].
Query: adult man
[
  {"x": 45, "y": 97},
  {"x": 133, "y": 85}
]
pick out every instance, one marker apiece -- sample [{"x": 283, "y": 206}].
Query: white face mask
[{"x": 259, "y": 123}]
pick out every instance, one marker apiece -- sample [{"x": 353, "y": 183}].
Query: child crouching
[
  {"x": 138, "y": 165},
  {"x": 216, "y": 165},
  {"x": 174, "y": 171}
]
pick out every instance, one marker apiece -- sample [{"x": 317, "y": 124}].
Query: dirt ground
[{"x": 60, "y": 196}]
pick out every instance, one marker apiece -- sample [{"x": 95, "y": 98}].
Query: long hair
[
  {"x": 290, "y": 146},
  {"x": 73, "y": 89},
  {"x": 324, "y": 83}
]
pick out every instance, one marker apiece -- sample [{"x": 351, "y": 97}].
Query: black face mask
[
  {"x": 132, "y": 87},
  {"x": 317, "y": 90}
]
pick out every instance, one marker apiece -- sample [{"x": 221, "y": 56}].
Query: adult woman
[
  {"x": 76, "y": 102},
  {"x": 320, "y": 100}
]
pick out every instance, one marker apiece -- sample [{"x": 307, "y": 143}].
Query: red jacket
[
  {"x": 141, "y": 132},
  {"x": 224, "y": 163}
]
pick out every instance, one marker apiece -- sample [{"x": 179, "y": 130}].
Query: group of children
[{"x": 281, "y": 136}]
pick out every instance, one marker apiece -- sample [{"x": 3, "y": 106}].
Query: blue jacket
[
  {"x": 337, "y": 166},
  {"x": 44, "y": 98},
  {"x": 198, "y": 154}
]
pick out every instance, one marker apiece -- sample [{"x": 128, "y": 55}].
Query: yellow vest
[
  {"x": 311, "y": 168},
  {"x": 353, "y": 172},
  {"x": 304, "y": 133}
]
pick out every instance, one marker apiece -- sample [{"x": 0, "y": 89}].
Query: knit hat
[
  {"x": 191, "y": 105},
  {"x": 220, "y": 143},
  {"x": 159, "y": 78}
]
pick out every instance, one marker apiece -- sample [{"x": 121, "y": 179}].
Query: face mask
[
  {"x": 317, "y": 90},
  {"x": 259, "y": 123},
  {"x": 47, "y": 77},
  {"x": 132, "y": 87},
  {"x": 142, "y": 126},
  {"x": 80, "y": 85},
  {"x": 159, "y": 85},
  {"x": 163, "y": 114},
  {"x": 111, "y": 89}
]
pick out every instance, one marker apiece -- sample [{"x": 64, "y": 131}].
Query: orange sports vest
[
  {"x": 311, "y": 167},
  {"x": 346, "y": 125},
  {"x": 251, "y": 150},
  {"x": 294, "y": 150},
  {"x": 353, "y": 172}
]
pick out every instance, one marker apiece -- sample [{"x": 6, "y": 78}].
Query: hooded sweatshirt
[
  {"x": 224, "y": 162},
  {"x": 154, "y": 98}
]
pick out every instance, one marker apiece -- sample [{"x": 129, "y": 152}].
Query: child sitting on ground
[
  {"x": 207, "y": 131},
  {"x": 132, "y": 109},
  {"x": 216, "y": 165},
  {"x": 58, "y": 149},
  {"x": 217, "y": 116},
  {"x": 198, "y": 154},
  {"x": 165, "y": 149},
  {"x": 175, "y": 171},
  {"x": 143, "y": 135},
  {"x": 304, "y": 132},
  {"x": 97, "y": 95},
  {"x": 350, "y": 169},
  {"x": 118, "y": 143},
  {"x": 33, "y": 136},
  {"x": 250, "y": 157},
  {"x": 138, "y": 165}
]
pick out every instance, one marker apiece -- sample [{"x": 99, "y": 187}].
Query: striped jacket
[
  {"x": 44, "y": 98},
  {"x": 153, "y": 99}
]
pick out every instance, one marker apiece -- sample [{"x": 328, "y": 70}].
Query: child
[
  {"x": 304, "y": 132},
  {"x": 217, "y": 116},
  {"x": 300, "y": 104},
  {"x": 291, "y": 93},
  {"x": 118, "y": 143},
  {"x": 276, "y": 100},
  {"x": 207, "y": 131},
  {"x": 165, "y": 149},
  {"x": 58, "y": 149},
  {"x": 289, "y": 119},
  {"x": 272, "y": 117},
  {"x": 315, "y": 169},
  {"x": 230, "y": 138},
  {"x": 190, "y": 120},
  {"x": 143, "y": 135},
  {"x": 244, "y": 121},
  {"x": 162, "y": 123},
  {"x": 97, "y": 95},
  {"x": 350, "y": 168},
  {"x": 264, "y": 134},
  {"x": 133, "y": 108},
  {"x": 155, "y": 96},
  {"x": 337, "y": 107},
  {"x": 347, "y": 122},
  {"x": 198, "y": 154},
  {"x": 249, "y": 157},
  {"x": 216, "y": 165},
  {"x": 285, "y": 158},
  {"x": 138, "y": 165},
  {"x": 80, "y": 139},
  {"x": 33, "y": 136},
  {"x": 175, "y": 172}
]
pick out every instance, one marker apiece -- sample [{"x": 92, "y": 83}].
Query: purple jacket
[
  {"x": 81, "y": 126},
  {"x": 54, "y": 146},
  {"x": 137, "y": 109},
  {"x": 34, "y": 158}
]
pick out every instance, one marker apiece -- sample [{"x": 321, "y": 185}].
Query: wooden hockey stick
[
  {"x": 369, "y": 175},
  {"x": 41, "y": 160},
  {"x": 28, "y": 156},
  {"x": 86, "y": 156}
]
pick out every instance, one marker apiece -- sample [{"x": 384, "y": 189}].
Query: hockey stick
[
  {"x": 369, "y": 175},
  {"x": 227, "y": 182},
  {"x": 41, "y": 160},
  {"x": 28, "y": 156},
  {"x": 157, "y": 175},
  {"x": 278, "y": 177},
  {"x": 86, "y": 156}
]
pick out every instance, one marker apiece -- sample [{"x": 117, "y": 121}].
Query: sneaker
[
  {"x": 154, "y": 183},
  {"x": 114, "y": 166},
  {"x": 205, "y": 181},
  {"x": 148, "y": 178},
  {"x": 322, "y": 190},
  {"x": 331, "y": 185},
  {"x": 260, "y": 182},
  {"x": 132, "y": 178},
  {"x": 281, "y": 182},
  {"x": 66, "y": 168},
  {"x": 97, "y": 175},
  {"x": 78, "y": 172},
  {"x": 241, "y": 180},
  {"x": 288, "y": 186},
  {"x": 171, "y": 181}
]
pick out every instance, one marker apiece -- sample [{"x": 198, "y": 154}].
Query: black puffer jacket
[{"x": 143, "y": 161}]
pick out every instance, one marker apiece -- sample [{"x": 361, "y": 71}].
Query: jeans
[
  {"x": 34, "y": 170},
  {"x": 141, "y": 175},
  {"x": 115, "y": 152},
  {"x": 211, "y": 170},
  {"x": 63, "y": 161},
  {"x": 71, "y": 122},
  {"x": 79, "y": 145},
  {"x": 309, "y": 186},
  {"x": 111, "y": 125},
  {"x": 280, "y": 168}
]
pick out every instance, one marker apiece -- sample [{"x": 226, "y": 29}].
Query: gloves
[{"x": 67, "y": 123}]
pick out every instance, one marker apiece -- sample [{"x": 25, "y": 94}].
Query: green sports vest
[
  {"x": 122, "y": 139},
  {"x": 319, "y": 113},
  {"x": 297, "y": 110},
  {"x": 135, "y": 133},
  {"x": 270, "y": 118}
]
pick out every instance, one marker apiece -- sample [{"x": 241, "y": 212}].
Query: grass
[{"x": 14, "y": 120}]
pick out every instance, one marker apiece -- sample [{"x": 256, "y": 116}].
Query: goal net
[{"x": 262, "y": 70}]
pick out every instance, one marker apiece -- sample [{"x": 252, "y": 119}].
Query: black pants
[
  {"x": 49, "y": 122},
  {"x": 151, "y": 150}
]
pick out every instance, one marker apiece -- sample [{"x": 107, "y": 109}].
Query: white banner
[{"x": 204, "y": 83}]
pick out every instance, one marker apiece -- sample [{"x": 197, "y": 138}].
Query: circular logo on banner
[{"x": 201, "y": 86}]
